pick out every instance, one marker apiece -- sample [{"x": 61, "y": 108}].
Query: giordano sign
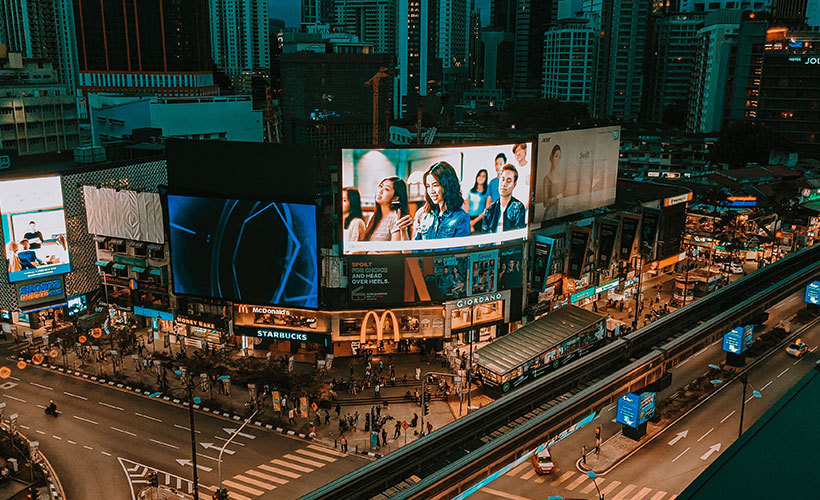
[
  {"x": 458, "y": 308},
  {"x": 478, "y": 299}
]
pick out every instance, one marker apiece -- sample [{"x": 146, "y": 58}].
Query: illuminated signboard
[
  {"x": 748, "y": 336},
  {"x": 733, "y": 341},
  {"x": 583, "y": 294},
  {"x": 813, "y": 293},
  {"x": 41, "y": 291},
  {"x": 646, "y": 410},
  {"x": 634, "y": 410},
  {"x": 740, "y": 201},
  {"x": 609, "y": 285},
  {"x": 76, "y": 305},
  {"x": 276, "y": 334}
]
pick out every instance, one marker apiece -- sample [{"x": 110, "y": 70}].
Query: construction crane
[{"x": 374, "y": 82}]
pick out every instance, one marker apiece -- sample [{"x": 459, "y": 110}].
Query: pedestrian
[
  {"x": 343, "y": 443},
  {"x": 356, "y": 419},
  {"x": 384, "y": 436},
  {"x": 291, "y": 414},
  {"x": 312, "y": 433},
  {"x": 584, "y": 454},
  {"x": 595, "y": 306},
  {"x": 397, "y": 433},
  {"x": 338, "y": 409},
  {"x": 377, "y": 388},
  {"x": 418, "y": 373},
  {"x": 378, "y": 411},
  {"x": 351, "y": 371},
  {"x": 429, "y": 427},
  {"x": 327, "y": 417}
]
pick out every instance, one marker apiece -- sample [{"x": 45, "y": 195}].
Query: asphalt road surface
[
  {"x": 664, "y": 466},
  {"x": 107, "y": 440}
]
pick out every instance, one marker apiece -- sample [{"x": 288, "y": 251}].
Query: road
[
  {"x": 664, "y": 466},
  {"x": 107, "y": 439}
]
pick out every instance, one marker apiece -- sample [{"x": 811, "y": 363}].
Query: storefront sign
[
  {"x": 42, "y": 291},
  {"x": 131, "y": 261},
  {"x": 629, "y": 228},
  {"x": 674, "y": 200},
  {"x": 152, "y": 313},
  {"x": 281, "y": 335},
  {"x": 610, "y": 285},
  {"x": 583, "y": 294},
  {"x": 479, "y": 299},
  {"x": 201, "y": 323},
  {"x": 542, "y": 255}
]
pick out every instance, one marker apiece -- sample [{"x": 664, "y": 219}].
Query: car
[
  {"x": 542, "y": 461},
  {"x": 735, "y": 268},
  {"x": 797, "y": 349}
]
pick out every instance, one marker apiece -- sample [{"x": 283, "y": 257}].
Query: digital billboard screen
[
  {"x": 260, "y": 252},
  {"x": 812, "y": 293},
  {"x": 434, "y": 198},
  {"x": 577, "y": 171},
  {"x": 34, "y": 228}
]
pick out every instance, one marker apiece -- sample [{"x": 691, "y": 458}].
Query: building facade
[
  {"x": 569, "y": 61},
  {"x": 373, "y": 21},
  {"x": 239, "y": 40}
]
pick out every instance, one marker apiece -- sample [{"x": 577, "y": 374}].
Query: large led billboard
[
  {"x": 259, "y": 252},
  {"x": 434, "y": 198},
  {"x": 34, "y": 228},
  {"x": 577, "y": 171}
]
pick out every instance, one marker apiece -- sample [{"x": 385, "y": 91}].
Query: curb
[
  {"x": 229, "y": 416},
  {"x": 54, "y": 485}
]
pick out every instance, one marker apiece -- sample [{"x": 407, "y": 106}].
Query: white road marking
[
  {"x": 163, "y": 444},
  {"x": 266, "y": 477},
  {"x": 327, "y": 451},
  {"x": 291, "y": 466},
  {"x": 516, "y": 471},
  {"x": 641, "y": 494},
  {"x": 72, "y": 442},
  {"x": 105, "y": 453},
  {"x": 578, "y": 480},
  {"x": 14, "y": 378},
  {"x": 16, "y": 399},
  {"x": 812, "y": 349},
  {"x": 207, "y": 456},
  {"x": 796, "y": 362},
  {"x": 621, "y": 495},
  {"x": 707, "y": 433},
  {"x": 611, "y": 407},
  {"x": 124, "y": 432},
  {"x": 25, "y": 426},
  {"x": 112, "y": 406},
  {"x": 41, "y": 407},
  {"x": 681, "y": 454},
  {"x": 149, "y": 417},
  {"x": 612, "y": 486},
  {"x": 315, "y": 455},
  {"x": 563, "y": 478},
  {"x": 281, "y": 472},
  {"x": 528, "y": 475},
  {"x": 712, "y": 449},
  {"x": 727, "y": 416},
  {"x": 781, "y": 373},
  {"x": 57, "y": 437},
  {"x": 591, "y": 485},
  {"x": 41, "y": 386},
  {"x": 87, "y": 447},
  {"x": 188, "y": 429},
  {"x": 255, "y": 482},
  {"x": 242, "y": 487},
  {"x": 765, "y": 386},
  {"x": 75, "y": 396},
  {"x": 86, "y": 420},
  {"x": 303, "y": 460},
  {"x": 39, "y": 432},
  {"x": 658, "y": 496},
  {"x": 223, "y": 439}
]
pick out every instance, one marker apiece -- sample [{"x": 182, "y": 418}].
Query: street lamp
[
  {"x": 744, "y": 380},
  {"x": 189, "y": 385},
  {"x": 592, "y": 476},
  {"x": 222, "y": 450}
]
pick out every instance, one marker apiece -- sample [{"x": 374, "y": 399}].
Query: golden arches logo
[{"x": 379, "y": 321}]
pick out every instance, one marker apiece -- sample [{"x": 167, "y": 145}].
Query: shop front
[
  {"x": 41, "y": 303},
  {"x": 388, "y": 330},
  {"x": 486, "y": 316},
  {"x": 282, "y": 332},
  {"x": 199, "y": 330}
]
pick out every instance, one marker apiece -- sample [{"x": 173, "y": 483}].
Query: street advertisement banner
[
  {"x": 812, "y": 293},
  {"x": 577, "y": 171},
  {"x": 483, "y": 275},
  {"x": 245, "y": 251},
  {"x": 733, "y": 341},
  {"x": 34, "y": 230},
  {"x": 376, "y": 279},
  {"x": 607, "y": 234},
  {"x": 42, "y": 291},
  {"x": 633, "y": 410},
  {"x": 649, "y": 231},
  {"x": 629, "y": 229},
  {"x": 510, "y": 275},
  {"x": 578, "y": 244},
  {"x": 542, "y": 255},
  {"x": 434, "y": 198}
]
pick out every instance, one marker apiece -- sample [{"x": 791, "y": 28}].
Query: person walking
[
  {"x": 397, "y": 432},
  {"x": 384, "y": 436},
  {"x": 343, "y": 443},
  {"x": 584, "y": 454},
  {"x": 377, "y": 388},
  {"x": 327, "y": 417},
  {"x": 338, "y": 410},
  {"x": 429, "y": 427},
  {"x": 291, "y": 415}
]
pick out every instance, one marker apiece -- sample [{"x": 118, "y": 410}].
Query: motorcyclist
[{"x": 51, "y": 408}]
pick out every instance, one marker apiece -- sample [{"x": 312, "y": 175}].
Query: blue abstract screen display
[{"x": 258, "y": 252}]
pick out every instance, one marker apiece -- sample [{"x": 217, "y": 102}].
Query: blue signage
[
  {"x": 152, "y": 313},
  {"x": 42, "y": 291},
  {"x": 813, "y": 293},
  {"x": 646, "y": 410},
  {"x": 628, "y": 410},
  {"x": 733, "y": 341},
  {"x": 748, "y": 336}
]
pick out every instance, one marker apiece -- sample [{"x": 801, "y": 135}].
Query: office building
[
  {"x": 790, "y": 87},
  {"x": 792, "y": 12},
  {"x": 42, "y": 29},
  {"x": 716, "y": 5},
  {"x": 669, "y": 62},
  {"x": 527, "y": 20},
  {"x": 317, "y": 12},
  {"x": 38, "y": 114},
  {"x": 151, "y": 47},
  {"x": 452, "y": 32},
  {"x": 417, "y": 64},
  {"x": 239, "y": 40},
  {"x": 496, "y": 59},
  {"x": 373, "y": 21},
  {"x": 569, "y": 61}
]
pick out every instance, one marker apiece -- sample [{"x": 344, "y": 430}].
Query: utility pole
[{"x": 374, "y": 82}]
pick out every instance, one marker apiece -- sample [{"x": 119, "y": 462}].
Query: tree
[{"x": 746, "y": 141}]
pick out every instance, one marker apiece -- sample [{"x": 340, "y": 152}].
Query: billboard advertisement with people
[
  {"x": 34, "y": 228},
  {"x": 405, "y": 199},
  {"x": 577, "y": 171}
]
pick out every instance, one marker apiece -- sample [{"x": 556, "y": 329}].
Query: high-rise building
[
  {"x": 569, "y": 61},
  {"x": 714, "y": 50},
  {"x": 793, "y": 11},
  {"x": 715, "y": 5},
  {"x": 42, "y": 29},
  {"x": 373, "y": 21},
  {"x": 418, "y": 68},
  {"x": 239, "y": 40},
  {"x": 497, "y": 59},
  {"x": 669, "y": 60},
  {"x": 527, "y": 20},
  {"x": 144, "y": 47},
  {"x": 813, "y": 14},
  {"x": 790, "y": 87},
  {"x": 317, "y": 12},
  {"x": 747, "y": 67},
  {"x": 453, "y": 32}
]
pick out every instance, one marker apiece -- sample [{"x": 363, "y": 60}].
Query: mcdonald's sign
[{"x": 379, "y": 321}]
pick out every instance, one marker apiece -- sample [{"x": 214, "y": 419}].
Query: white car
[
  {"x": 798, "y": 349},
  {"x": 735, "y": 268}
]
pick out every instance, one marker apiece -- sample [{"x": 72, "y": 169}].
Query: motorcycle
[{"x": 52, "y": 412}]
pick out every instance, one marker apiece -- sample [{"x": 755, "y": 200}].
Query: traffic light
[
  {"x": 33, "y": 493},
  {"x": 220, "y": 494},
  {"x": 153, "y": 479},
  {"x": 426, "y": 408}
]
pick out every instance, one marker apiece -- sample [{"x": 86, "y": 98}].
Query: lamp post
[
  {"x": 222, "y": 450},
  {"x": 189, "y": 386},
  {"x": 743, "y": 380},
  {"x": 638, "y": 270},
  {"x": 592, "y": 476}
]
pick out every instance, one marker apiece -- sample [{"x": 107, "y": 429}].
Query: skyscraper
[
  {"x": 41, "y": 29},
  {"x": 372, "y": 21},
  {"x": 144, "y": 46},
  {"x": 569, "y": 61},
  {"x": 413, "y": 51},
  {"x": 239, "y": 39},
  {"x": 715, "y": 5},
  {"x": 527, "y": 20},
  {"x": 317, "y": 12}
]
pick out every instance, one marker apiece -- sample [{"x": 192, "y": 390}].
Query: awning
[
  {"x": 117, "y": 241},
  {"x": 100, "y": 239},
  {"x": 137, "y": 244},
  {"x": 154, "y": 246},
  {"x": 119, "y": 266},
  {"x": 155, "y": 272},
  {"x": 138, "y": 269},
  {"x": 103, "y": 263}
]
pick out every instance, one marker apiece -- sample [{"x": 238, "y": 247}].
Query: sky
[{"x": 289, "y": 10}]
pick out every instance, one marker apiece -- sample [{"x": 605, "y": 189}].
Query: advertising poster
[
  {"x": 577, "y": 171},
  {"x": 578, "y": 243},
  {"x": 245, "y": 251},
  {"x": 542, "y": 254},
  {"x": 430, "y": 198},
  {"x": 671, "y": 229},
  {"x": 607, "y": 234},
  {"x": 376, "y": 279},
  {"x": 34, "y": 230},
  {"x": 483, "y": 267},
  {"x": 629, "y": 229},
  {"x": 42, "y": 291},
  {"x": 447, "y": 276},
  {"x": 649, "y": 230},
  {"x": 509, "y": 268},
  {"x": 77, "y": 305}
]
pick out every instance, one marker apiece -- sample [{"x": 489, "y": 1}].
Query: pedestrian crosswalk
[
  {"x": 279, "y": 471},
  {"x": 577, "y": 482}
]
